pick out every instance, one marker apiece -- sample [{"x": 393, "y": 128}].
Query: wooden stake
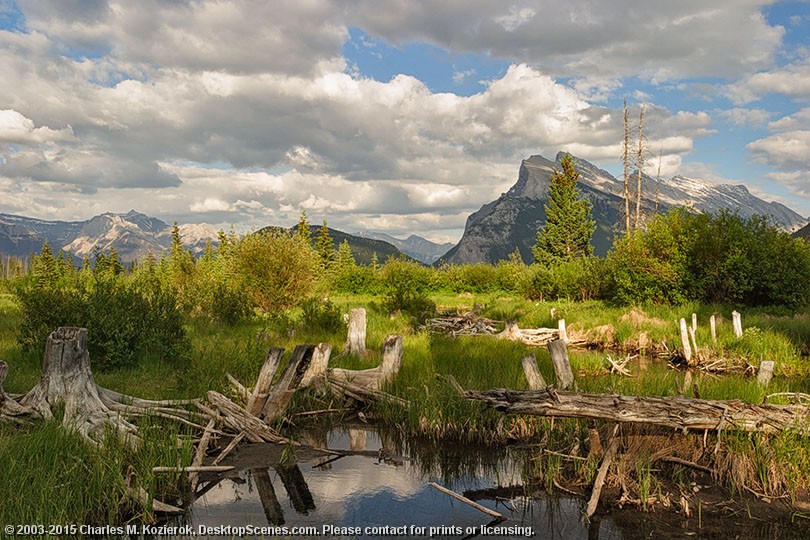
[
  {"x": 713, "y": 328},
  {"x": 737, "y": 322},
  {"x": 356, "y": 340},
  {"x": 687, "y": 350},
  {"x": 316, "y": 374},
  {"x": 563, "y": 332},
  {"x": 562, "y": 366},
  {"x": 765, "y": 373},
  {"x": 694, "y": 322},
  {"x": 258, "y": 397},
  {"x": 533, "y": 375}
]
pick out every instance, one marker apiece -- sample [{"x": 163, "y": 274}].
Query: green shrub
[
  {"x": 124, "y": 321},
  {"x": 406, "y": 286},
  {"x": 322, "y": 315},
  {"x": 277, "y": 269}
]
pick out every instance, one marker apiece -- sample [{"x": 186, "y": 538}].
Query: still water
[{"x": 386, "y": 493}]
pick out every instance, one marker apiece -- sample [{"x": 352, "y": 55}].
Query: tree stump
[
  {"x": 67, "y": 380},
  {"x": 687, "y": 349},
  {"x": 737, "y": 323},
  {"x": 374, "y": 378},
  {"x": 356, "y": 341},
  {"x": 9, "y": 408},
  {"x": 713, "y": 328},
  {"x": 765, "y": 373},
  {"x": 533, "y": 375},
  {"x": 562, "y": 365}
]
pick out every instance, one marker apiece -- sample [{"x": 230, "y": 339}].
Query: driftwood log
[
  {"x": 675, "y": 412},
  {"x": 374, "y": 378}
]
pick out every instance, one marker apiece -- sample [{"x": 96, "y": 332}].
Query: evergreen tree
[
  {"x": 303, "y": 227},
  {"x": 345, "y": 258},
  {"x": 325, "y": 246},
  {"x": 569, "y": 225}
]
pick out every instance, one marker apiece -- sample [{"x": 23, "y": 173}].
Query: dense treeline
[{"x": 678, "y": 257}]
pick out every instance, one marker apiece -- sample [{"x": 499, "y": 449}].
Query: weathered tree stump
[
  {"x": 316, "y": 374},
  {"x": 533, "y": 375},
  {"x": 281, "y": 393},
  {"x": 737, "y": 323},
  {"x": 687, "y": 349},
  {"x": 258, "y": 397},
  {"x": 713, "y": 328},
  {"x": 356, "y": 341},
  {"x": 67, "y": 380},
  {"x": 562, "y": 366},
  {"x": 765, "y": 373}
]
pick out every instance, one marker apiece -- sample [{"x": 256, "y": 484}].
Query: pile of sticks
[{"x": 463, "y": 325}]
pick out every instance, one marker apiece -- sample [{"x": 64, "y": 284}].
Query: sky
[{"x": 394, "y": 116}]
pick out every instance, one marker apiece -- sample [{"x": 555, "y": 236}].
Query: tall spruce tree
[{"x": 569, "y": 225}]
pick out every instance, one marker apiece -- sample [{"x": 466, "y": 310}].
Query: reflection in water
[{"x": 381, "y": 488}]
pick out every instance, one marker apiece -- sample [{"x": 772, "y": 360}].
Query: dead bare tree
[
  {"x": 626, "y": 159},
  {"x": 640, "y": 165},
  {"x": 658, "y": 179}
]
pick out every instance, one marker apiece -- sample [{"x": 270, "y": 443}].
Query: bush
[
  {"x": 123, "y": 321},
  {"x": 322, "y": 315},
  {"x": 277, "y": 269},
  {"x": 406, "y": 286}
]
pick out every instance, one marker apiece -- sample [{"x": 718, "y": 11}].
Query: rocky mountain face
[
  {"x": 133, "y": 235},
  {"x": 421, "y": 249},
  {"x": 512, "y": 221}
]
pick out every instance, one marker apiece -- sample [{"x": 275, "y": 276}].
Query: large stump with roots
[{"x": 67, "y": 380}]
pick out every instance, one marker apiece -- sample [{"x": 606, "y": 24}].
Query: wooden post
[
  {"x": 737, "y": 321},
  {"x": 357, "y": 440},
  {"x": 356, "y": 341},
  {"x": 694, "y": 322},
  {"x": 694, "y": 343},
  {"x": 713, "y": 328},
  {"x": 687, "y": 350},
  {"x": 562, "y": 366},
  {"x": 533, "y": 375},
  {"x": 765, "y": 373},
  {"x": 282, "y": 392},
  {"x": 316, "y": 374},
  {"x": 563, "y": 332},
  {"x": 258, "y": 397},
  {"x": 391, "y": 358}
]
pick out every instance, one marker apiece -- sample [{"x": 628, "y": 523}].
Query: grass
[{"x": 89, "y": 486}]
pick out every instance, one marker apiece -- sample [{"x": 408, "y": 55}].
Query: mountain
[
  {"x": 133, "y": 235},
  {"x": 363, "y": 249},
  {"x": 421, "y": 249},
  {"x": 512, "y": 221}
]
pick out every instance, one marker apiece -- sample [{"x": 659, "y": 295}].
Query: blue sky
[{"x": 403, "y": 119}]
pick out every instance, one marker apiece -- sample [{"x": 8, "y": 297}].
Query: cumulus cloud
[
  {"x": 17, "y": 129},
  {"x": 792, "y": 80},
  {"x": 193, "y": 110},
  {"x": 658, "y": 39}
]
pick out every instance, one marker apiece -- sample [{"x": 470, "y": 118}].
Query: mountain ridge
[{"x": 512, "y": 221}]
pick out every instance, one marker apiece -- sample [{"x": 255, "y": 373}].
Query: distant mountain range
[
  {"x": 512, "y": 221},
  {"x": 414, "y": 246},
  {"x": 491, "y": 234},
  {"x": 133, "y": 235}
]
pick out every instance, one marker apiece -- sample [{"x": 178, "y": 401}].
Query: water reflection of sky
[{"x": 362, "y": 491}]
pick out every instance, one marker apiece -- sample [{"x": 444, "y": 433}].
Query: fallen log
[
  {"x": 374, "y": 378},
  {"x": 675, "y": 412}
]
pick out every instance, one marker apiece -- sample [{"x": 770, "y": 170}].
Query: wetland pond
[{"x": 383, "y": 491}]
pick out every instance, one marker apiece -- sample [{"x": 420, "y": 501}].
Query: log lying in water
[{"x": 676, "y": 412}]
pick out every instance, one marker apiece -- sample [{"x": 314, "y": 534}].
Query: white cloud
[
  {"x": 117, "y": 104},
  {"x": 17, "y": 129},
  {"x": 740, "y": 116},
  {"x": 792, "y": 80},
  {"x": 658, "y": 40}
]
